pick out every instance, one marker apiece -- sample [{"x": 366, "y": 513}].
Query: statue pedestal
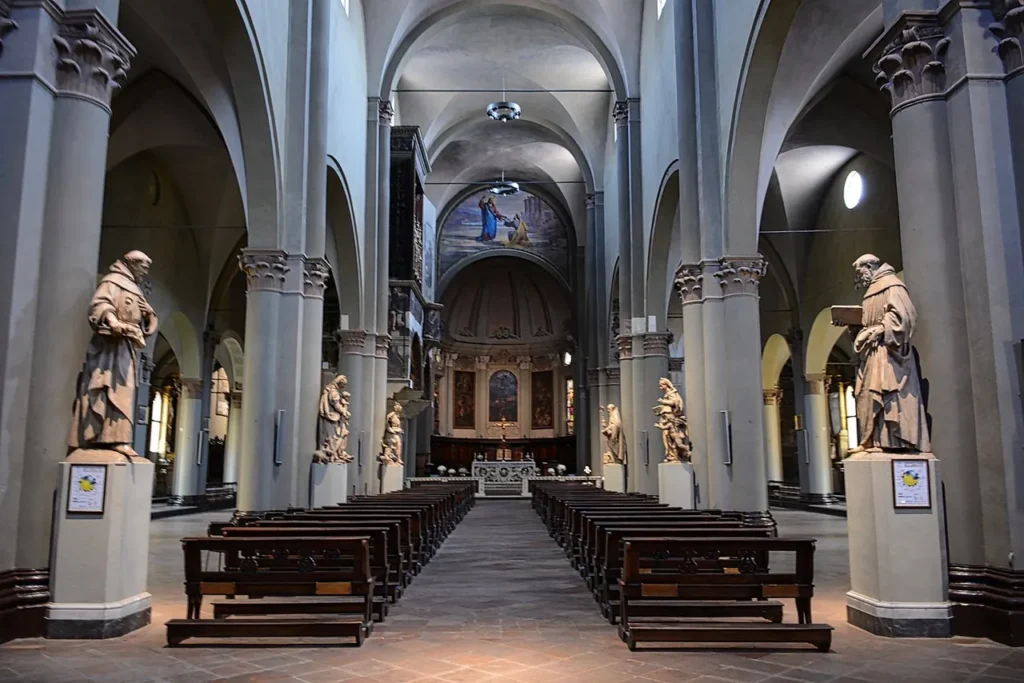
[
  {"x": 614, "y": 478},
  {"x": 329, "y": 484},
  {"x": 898, "y": 572},
  {"x": 675, "y": 484},
  {"x": 392, "y": 478},
  {"x": 100, "y": 558}
]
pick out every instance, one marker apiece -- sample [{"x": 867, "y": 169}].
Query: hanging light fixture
[
  {"x": 504, "y": 110},
  {"x": 504, "y": 188}
]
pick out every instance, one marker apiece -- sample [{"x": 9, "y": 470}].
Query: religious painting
[
  {"x": 464, "y": 401},
  {"x": 543, "y": 401},
  {"x": 503, "y": 402},
  {"x": 522, "y": 221}
]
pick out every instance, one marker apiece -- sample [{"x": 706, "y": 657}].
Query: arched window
[{"x": 503, "y": 399}]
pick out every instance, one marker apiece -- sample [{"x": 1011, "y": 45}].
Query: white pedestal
[
  {"x": 392, "y": 478},
  {"x": 100, "y": 559},
  {"x": 898, "y": 571},
  {"x": 329, "y": 484},
  {"x": 675, "y": 484},
  {"x": 614, "y": 478}
]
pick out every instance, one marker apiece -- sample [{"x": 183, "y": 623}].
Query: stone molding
[
  {"x": 689, "y": 283},
  {"x": 818, "y": 383},
  {"x": 772, "y": 397},
  {"x": 656, "y": 343},
  {"x": 381, "y": 346},
  {"x": 93, "y": 57},
  {"x": 612, "y": 375},
  {"x": 911, "y": 63},
  {"x": 591, "y": 201},
  {"x": 450, "y": 359},
  {"x": 624, "y": 342},
  {"x": 351, "y": 341},
  {"x": 741, "y": 275},
  {"x": 1007, "y": 29},
  {"x": 265, "y": 269},
  {"x": 385, "y": 112},
  {"x": 191, "y": 387},
  {"x": 315, "y": 272},
  {"x": 481, "y": 362},
  {"x": 524, "y": 362},
  {"x": 620, "y": 112}
]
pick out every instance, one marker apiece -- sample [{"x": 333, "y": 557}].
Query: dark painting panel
[
  {"x": 543, "y": 399},
  {"x": 503, "y": 399},
  {"x": 464, "y": 401}
]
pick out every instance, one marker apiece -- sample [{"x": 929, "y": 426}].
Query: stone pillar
[
  {"x": 816, "y": 422},
  {"x": 482, "y": 416},
  {"x": 142, "y": 418},
  {"x": 91, "y": 58},
  {"x": 188, "y": 442},
  {"x": 716, "y": 391},
  {"x": 773, "y": 433},
  {"x": 655, "y": 365},
  {"x": 315, "y": 275},
  {"x": 689, "y": 283},
  {"x": 525, "y": 364},
  {"x": 205, "y": 399},
  {"x": 843, "y": 448},
  {"x": 232, "y": 445},
  {"x": 634, "y": 458},
  {"x": 594, "y": 456},
  {"x": 385, "y": 116},
  {"x": 355, "y": 360},
  {"x": 265, "y": 271},
  {"x": 382, "y": 344}
]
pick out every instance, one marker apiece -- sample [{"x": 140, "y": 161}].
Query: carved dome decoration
[{"x": 505, "y": 302}]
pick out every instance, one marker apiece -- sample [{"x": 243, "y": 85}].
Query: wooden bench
[
  {"x": 338, "y": 586},
  {"x": 703, "y": 573}
]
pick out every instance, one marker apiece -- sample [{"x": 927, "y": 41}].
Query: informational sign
[
  {"x": 87, "y": 488},
  {"x": 910, "y": 485}
]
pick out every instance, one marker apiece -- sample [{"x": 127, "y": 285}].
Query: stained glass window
[{"x": 570, "y": 407}]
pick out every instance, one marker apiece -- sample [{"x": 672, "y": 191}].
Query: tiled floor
[{"x": 499, "y": 602}]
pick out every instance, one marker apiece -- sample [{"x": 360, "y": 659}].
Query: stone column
[
  {"x": 265, "y": 271},
  {"x": 482, "y": 416},
  {"x": 382, "y": 344},
  {"x": 595, "y": 390},
  {"x": 314, "y": 283},
  {"x": 689, "y": 283},
  {"x": 142, "y": 418},
  {"x": 233, "y": 441},
  {"x": 187, "y": 442},
  {"x": 819, "y": 466},
  {"x": 655, "y": 364},
  {"x": 740, "y": 278},
  {"x": 91, "y": 58},
  {"x": 773, "y": 433},
  {"x": 206, "y": 398},
  {"x": 634, "y": 460},
  {"x": 525, "y": 364},
  {"x": 355, "y": 360},
  {"x": 716, "y": 360}
]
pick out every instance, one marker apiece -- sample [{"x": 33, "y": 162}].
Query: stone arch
[
  {"x": 180, "y": 334},
  {"x": 610, "y": 62},
  {"x": 774, "y": 357},
  {"x": 660, "y": 255},
  {"x": 343, "y": 244},
  {"x": 453, "y": 272},
  {"x": 820, "y": 341},
  {"x": 555, "y": 201},
  {"x": 231, "y": 356}
]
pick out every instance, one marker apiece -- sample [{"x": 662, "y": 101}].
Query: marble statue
[
  {"x": 672, "y": 423},
  {"x": 391, "y": 444},
  {"x": 332, "y": 424},
  {"x": 121, "y": 319},
  {"x": 616, "y": 440},
  {"x": 890, "y": 410}
]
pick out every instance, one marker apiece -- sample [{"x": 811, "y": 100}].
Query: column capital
[
  {"x": 449, "y": 359},
  {"x": 264, "y": 269},
  {"x": 773, "y": 396},
  {"x": 818, "y": 383},
  {"x": 620, "y": 112},
  {"x": 315, "y": 272},
  {"x": 612, "y": 375},
  {"x": 689, "y": 283},
  {"x": 656, "y": 343},
  {"x": 351, "y": 341},
  {"x": 909, "y": 60},
  {"x": 741, "y": 275},
  {"x": 93, "y": 57},
  {"x": 191, "y": 387},
  {"x": 382, "y": 345},
  {"x": 1007, "y": 29},
  {"x": 624, "y": 342},
  {"x": 385, "y": 113},
  {"x": 482, "y": 361},
  {"x": 524, "y": 362}
]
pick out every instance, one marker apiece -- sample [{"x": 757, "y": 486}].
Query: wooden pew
[
  {"x": 694, "y": 571},
  {"x": 337, "y": 585}
]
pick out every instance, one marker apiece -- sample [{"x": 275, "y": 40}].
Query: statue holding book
[{"x": 890, "y": 408}]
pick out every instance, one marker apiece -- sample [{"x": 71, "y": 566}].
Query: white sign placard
[
  {"x": 87, "y": 487},
  {"x": 910, "y": 485}
]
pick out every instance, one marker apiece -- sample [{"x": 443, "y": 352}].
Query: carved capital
[
  {"x": 315, "y": 272},
  {"x": 264, "y": 269},
  {"x": 93, "y": 57},
  {"x": 772, "y": 397},
  {"x": 612, "y": 374},
  {"x": 1007, "y": 29},
  {"x": 911, "y": 63},
  {"x": 741, "y": 275},
  {"x": 385, "y": 112},
  {"x": 591, "y": 201},
  {"x": 7, "y": 25},
  {"x": 656, "y": 343},
  {"x": 450, "y": 359},
  {"x": 524, "y": 362},
  {"x": 625, "y": 345},
  {"x": 818, "y": 383},
  {"x": 191, "y": 387},
  {"x": 482, "y": 362},
  {"x": 351, "y": 341},
  {"x": 675, "y": 364},
  {"x": 689, "y": 283},
  {"x": 620, "y": 112},
  {"x": 382, "y": 345}
]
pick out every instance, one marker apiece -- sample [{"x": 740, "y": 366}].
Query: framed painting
[
  {"x": 542, "y": 397},
  {"x": 503, "y": 397},
  {"x": 464, "y": 401}
]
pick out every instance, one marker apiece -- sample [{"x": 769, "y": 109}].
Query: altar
[{"x": 503, "y": 477}]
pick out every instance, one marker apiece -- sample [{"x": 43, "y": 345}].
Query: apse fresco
[
  {"x": 503, "y": 398},
  {"x": 543, "y": 400},
  {"x": 464, "y": 401},
  {"x": 485, "y": 221}
]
